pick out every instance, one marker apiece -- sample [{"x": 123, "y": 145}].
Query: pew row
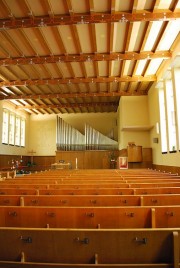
[
  {"x": 91, "y": 185},
  {"x": 90, "y": 200},
  {"x": 105, "y": 173},
  {"x": 89, "y": 248},
  {"x": 76, "y": 217},
  {"x": 96, "y": 191},
  {"x": 90, "y": 217},
  {"x": 50, "y": 179}
]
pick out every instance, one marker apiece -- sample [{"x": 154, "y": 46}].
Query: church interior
[{"x": 90, "y": 133}]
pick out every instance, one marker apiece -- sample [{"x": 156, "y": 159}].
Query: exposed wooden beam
[
  {"x": 71, "y": 95},
  {"x": 85, "y": 57},
  {"x": 70, "y": 7},
  {"x": 77, "y": 80},
  {"x": 43, "y": 21},
  {"x": 67, "y": 105}
]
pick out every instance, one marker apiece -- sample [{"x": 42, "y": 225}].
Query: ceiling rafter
[
  {"x": 174, "y": 8},
  {"x": 113, "y": 5},
  {"x": 86, "y": 57},
  {"x": 67, "y": 105},
  {"x": 69, "y": 7},
  {"x": 58, "y": 39},
  {"x": 134, "y": 10},
  {"x": 129, "y": 30},
  {"x": 130, "y": 88},
  {"x": 76, "y": 80},
  {"x": 78, "y": 47},
  {"x": 42, "y": 41},
  {"x": 60, "y": 71},
  {"x": 71, "y": 95},
  {"x": 47, "y": 7},
  {"x": 91, "y": 6},
  {"x": 43, "y": 21}
]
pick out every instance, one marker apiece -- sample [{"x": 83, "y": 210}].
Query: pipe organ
[{"x": 70, "y": 139}]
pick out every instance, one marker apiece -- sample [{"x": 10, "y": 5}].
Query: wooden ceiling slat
[
  {"x": 5, "y": 11},
  {"x": 76, "y": 38},
  {"x": 10, "y": 44},
  {"x": 58, "y": 39},
  {"x": 112, "y": 36},
  {"x": 124, "y": 63},
  {"x": 46, "y": 6}
]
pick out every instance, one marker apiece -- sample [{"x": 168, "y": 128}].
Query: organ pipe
[{"x": 70, "y": 139}]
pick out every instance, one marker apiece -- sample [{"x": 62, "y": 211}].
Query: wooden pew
[
  {"x": 166, "y": 217},
  {"x": 22, "y": 191},
  {"x": 70, "y": 200},
  {"x": 76, "y": 217},
  {"x": 93, "y": 186},
  {"x": 160, "y": 200},
  {"x": 70, "y": 191},
  {"x": 50, "y": 179},
  {"x": 67, "y": 185},
  {"x": 111, "y": 191},
  {"x": 28, "y": 190},
  {"x": 160, "y": 190},
  {"x": 90, "y": 200},
  {"x": 90, "y": 217},
  {"x": 89, "y": 248}
]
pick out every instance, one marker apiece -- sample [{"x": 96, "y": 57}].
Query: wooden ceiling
[{"x": 81, "y": 56}]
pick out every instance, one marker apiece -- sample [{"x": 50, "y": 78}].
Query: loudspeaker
[{"x": 155, "y": 140}]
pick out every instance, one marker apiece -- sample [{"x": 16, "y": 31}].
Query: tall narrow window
[
  {"x": 177, "y": 93},
  {"x": 163, "y": 130},
  {"x": 11, "y": 128},
  {"x": 171, "y": 116},
  {"x": 5, "y": 127},
  {"x": 23, "y": 132},
  {"x": 17, "y": 131}
]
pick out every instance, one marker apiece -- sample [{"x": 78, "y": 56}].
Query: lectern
[{"x": 134, "y": 153}]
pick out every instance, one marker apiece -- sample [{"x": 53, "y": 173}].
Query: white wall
[
  {"x": 133, "y": 111},
  {"x": 42, "y": 134},
  {"x": 9, "y": 149}
]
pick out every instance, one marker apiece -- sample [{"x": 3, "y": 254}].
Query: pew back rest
[{"x": 81, "y": 246}]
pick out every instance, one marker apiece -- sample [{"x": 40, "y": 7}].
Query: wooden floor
[{"x": 90, "y": 218}]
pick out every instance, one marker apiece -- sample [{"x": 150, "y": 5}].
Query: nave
[{"x": 90, "y": 218}]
